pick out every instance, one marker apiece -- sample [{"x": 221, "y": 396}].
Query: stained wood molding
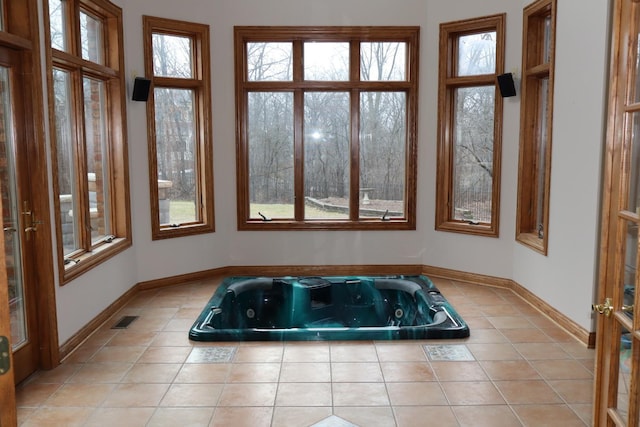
[
  {"x": 561, "y": 320},
  {"x": 571, "y": 327},
  {"x": 87, "y": 330}
]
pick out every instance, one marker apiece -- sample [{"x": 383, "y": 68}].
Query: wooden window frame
[
  {"x": 535, "y": 69},
  {"x": 353, "y": 35},
  {"x": 89, "y": 254},
  {"x": 449, "y": 82},
  {"x": 200, "y": 84}
]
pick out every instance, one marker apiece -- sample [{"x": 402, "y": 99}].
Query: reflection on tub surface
[{"x": 327, "y": 308}]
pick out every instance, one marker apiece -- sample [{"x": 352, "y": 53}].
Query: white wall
[
  {"x": 228, "y": 246},
  {"x": 565, "y": 278}
]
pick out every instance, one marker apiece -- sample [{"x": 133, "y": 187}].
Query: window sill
[
  {"x": 532, "y": 241},
  {"x": 182, "y": 230},
  {"x": 482, "y": 229},
  {"x": 88, "y": 260},
  {"x": 372, "y": 225}
]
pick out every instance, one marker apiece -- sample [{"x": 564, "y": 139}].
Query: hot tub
[{"x": 327, "y": 308}]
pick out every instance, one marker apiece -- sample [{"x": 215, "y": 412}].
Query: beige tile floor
[{"x": 517, "y": 368}]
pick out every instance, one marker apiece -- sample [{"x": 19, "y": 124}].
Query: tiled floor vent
[{"x": 124, "y": 322}]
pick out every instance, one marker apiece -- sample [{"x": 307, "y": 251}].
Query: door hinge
[{"x": 5, "y": 355}]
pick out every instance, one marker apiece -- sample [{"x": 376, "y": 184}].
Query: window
[
  {"x": 326, "y": 127},
  {"x": 179, "y": 127},
  {"x": 88, "y": 132},
  {"x": 470, "y": 126},
  {"x": 532, "y": 222}
]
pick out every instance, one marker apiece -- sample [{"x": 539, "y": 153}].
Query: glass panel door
[
  {"x": 11, "y": 216},
  {"x": 617, "y": 398}
]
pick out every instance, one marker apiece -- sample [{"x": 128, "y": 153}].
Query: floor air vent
[{"x": 124, "y": 322}]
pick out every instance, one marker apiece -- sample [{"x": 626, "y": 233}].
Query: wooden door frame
[{"x": 23, "y": 35}]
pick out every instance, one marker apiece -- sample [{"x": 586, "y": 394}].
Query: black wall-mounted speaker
[
  {"x": 506, "y": 85},
  {"x": 141, "y": 89}
]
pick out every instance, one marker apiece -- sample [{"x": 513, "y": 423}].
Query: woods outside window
[
  {"x": 326, "y": 127},
  {"x": 470, "y": 126},
  {"x": 90, "y": 163},
  {"x": 179, "y": 127}
]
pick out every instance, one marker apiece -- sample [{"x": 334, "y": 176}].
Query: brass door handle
[
  {"x": 605, "y": 308},
  {"x": 31, "y": 218}
]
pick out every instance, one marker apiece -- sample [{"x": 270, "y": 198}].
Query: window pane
[
  {"x": 634, "y": 184},
  {"x": 477, "y": 54},
  {"x": 270, "y": 133},
  {"x": 66, "y": 172},
  {"x": 636, "y": 69},
  {"x": 91, "y": 38},
  {"x": 97, "y": 158},
  {"x": 326, "y": 155},
  {"x": 383, "y": 136},
  {"x": 382, "y": 61},
  {"x": 11, "y": 205},
  {"x": 172, "y": 56},
  {"x": 542, "y": 156},
  {"x": 546, "y": 54},
  {"x": 326, "y": 61},
  {"x": 58, "y": 24},
  {"x": 269, "y": 61},
  {"x": 176, "y": 156},
  {"x": 473, "y": 155}
]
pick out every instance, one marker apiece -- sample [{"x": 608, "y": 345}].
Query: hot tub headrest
[
  {"x": 239, "y": 287},
  {"x": 397, "y": 284}
]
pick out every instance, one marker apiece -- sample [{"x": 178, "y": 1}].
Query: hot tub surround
[{"x": 327, "y": 308}]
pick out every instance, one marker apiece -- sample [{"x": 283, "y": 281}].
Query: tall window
[
  {"x": 532, "y": 226},
  {"x": 470, "y": 126},
  {"x": 179, "y": 121},
  {"x": 88, "y": 132},
  {"x": 326, "y": 127}
]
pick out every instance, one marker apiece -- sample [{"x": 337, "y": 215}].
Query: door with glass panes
[
  {"x": 19, "y": 220},
  {"x": 618, "y": 334}
]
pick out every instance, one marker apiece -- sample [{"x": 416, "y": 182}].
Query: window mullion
[
  {"x": 354, "y": 179},
  {"x": 298, "y": 153},
  {"x": 298, "y": 133},
  {"x": 75, "y": 45},
  {"x": 82, "y": 181}
]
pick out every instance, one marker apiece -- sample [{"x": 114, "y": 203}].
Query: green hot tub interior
[{"x": 327, "y": 308}]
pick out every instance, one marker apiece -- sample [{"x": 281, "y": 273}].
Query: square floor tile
[
  {"x": 360, "y": 394},
  {"x": 211, "y": 354},
  {"x": 249, "y": 394},
  {"x": 378, "y": 416},
  {"x": 416, "y": 394},
  {"x": 287, "y": 416},
  {"x": 192, "y": 395},
  {"x": 457, "y": 352},
  {"x": 304, "y": 394},
  {"x": 334, "y": 421},
  {"x": 259, "y": 416}
]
